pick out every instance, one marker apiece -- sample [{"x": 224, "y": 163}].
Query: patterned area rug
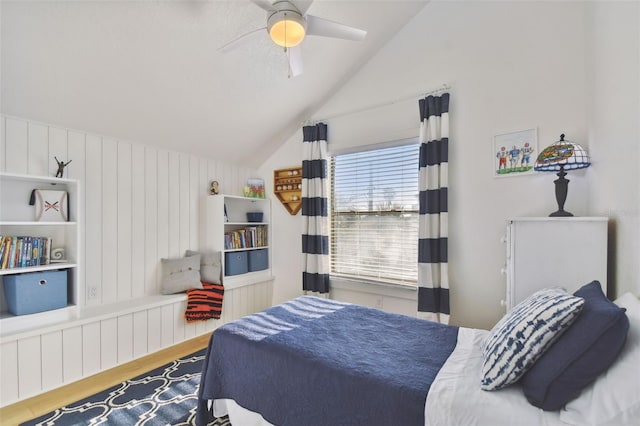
[{"x": 164, "y": 396}]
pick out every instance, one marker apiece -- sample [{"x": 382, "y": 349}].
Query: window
[{"x": 374, "y": 214}]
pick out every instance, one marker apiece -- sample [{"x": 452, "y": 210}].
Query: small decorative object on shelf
[
  {"x": 287, "y": 186},
  {"x": 61, "y": 166},
  {"x": 214, "y": 188},
  {"x": 255, "y": 188},
  {"x": 51, "y": 206},
  {"x": 57, "y": 255}
]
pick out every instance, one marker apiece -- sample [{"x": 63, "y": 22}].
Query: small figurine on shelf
[
  {"x": 61, "y": 166},
  {"x": 57, "y": 255},
  {"x": 213, "y": 190}
]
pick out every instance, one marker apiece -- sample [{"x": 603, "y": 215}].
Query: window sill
[{"x": 402, "y": 291}]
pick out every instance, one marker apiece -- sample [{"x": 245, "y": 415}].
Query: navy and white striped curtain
[
  {"x": 433, "y": 228},
  {"x": 315, "y": 191}
]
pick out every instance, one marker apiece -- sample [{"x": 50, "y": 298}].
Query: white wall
[
  {"x": 512, "y": 66},
  {"x": 614, "y": 133},
  {"x": 141, "y": 203},
  {"x": 286, "y": 256}
]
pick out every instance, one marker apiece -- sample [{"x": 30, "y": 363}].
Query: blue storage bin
[
  {"x": 33, "y": 292},
  {"x": 254, "y": 216},
  {"x": 235, "y": 263},
  {"x": 258, "y": 260}
]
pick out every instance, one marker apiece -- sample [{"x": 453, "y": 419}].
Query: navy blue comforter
[{"x": 314, "y": 361}]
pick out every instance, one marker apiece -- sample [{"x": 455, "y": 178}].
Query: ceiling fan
[{"x": 288, "y": 24}]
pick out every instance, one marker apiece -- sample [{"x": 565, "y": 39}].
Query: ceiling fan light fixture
[{"x": 286, "y": 28}]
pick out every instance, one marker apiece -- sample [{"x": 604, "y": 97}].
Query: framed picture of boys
[{"x": 514, "y": 153}]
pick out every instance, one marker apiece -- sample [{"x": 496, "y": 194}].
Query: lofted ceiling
[{"x": 151, "y": 72}]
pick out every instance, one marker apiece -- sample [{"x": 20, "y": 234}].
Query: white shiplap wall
[{"x": 140, "y": 204}]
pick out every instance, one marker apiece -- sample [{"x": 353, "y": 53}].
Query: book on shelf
[
  {"x": 24, "y": 251},
  {"x": 249, "y": 237}
]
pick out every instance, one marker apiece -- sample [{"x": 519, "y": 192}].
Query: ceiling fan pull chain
[
  {"x": 285, "y": 32},
  {"x": 286, "y": 51}
]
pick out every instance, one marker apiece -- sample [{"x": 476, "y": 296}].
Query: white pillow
[
  {"x": 614, "y": 398},
  {"x": 209, "y": 265},
  {"x": 524, "y": 334}
]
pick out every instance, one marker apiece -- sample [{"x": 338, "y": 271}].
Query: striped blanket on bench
[{"x": 205, "y": 303}]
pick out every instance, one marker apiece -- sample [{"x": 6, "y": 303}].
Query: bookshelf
[
  {"x": 17, "y": 219},
  {"x": 228, "y": 230}
]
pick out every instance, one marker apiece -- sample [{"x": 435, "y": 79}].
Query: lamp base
[
  {"x": 562, "y": 187},
  {"x": 560, "y": 213}
]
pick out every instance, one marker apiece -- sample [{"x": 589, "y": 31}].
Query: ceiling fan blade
[
  {"x": 323, "y": 27},
  {"x": 302, "y": 5},
  {"x": 295, "y": 61},
  {"x": 236, "y": 41},
  {"x": 264, "y": 4}
]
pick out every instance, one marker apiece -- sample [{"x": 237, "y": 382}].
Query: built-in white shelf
[
  {"x": 49, "y": 267},
  {"x": 217, "y": 209},
  {"x": 17, "y": 218}
]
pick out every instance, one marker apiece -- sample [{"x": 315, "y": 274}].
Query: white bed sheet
[
  {"x": 455, "y": 397},
  {"x": 237, "y": 415}
]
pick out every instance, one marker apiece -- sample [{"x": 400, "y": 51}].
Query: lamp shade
[{"x": 562, "y": 155}]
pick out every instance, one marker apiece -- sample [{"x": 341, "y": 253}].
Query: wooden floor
[{"x": 49, "y": 401}]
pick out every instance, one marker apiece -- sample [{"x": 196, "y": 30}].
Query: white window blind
[{"x": 374, "y": 214}]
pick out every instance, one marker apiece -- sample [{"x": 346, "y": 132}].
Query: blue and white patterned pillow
[{"x": 524, "y": 334}]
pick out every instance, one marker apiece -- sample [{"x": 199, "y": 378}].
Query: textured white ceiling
[{"x": 150, "y": 71}]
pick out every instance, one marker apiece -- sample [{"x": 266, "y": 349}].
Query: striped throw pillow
[{"x": 524, "y": 334}]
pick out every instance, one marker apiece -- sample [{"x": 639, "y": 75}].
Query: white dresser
[{"x": 545, "y": 252}]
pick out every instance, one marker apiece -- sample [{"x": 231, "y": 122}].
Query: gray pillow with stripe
[{"x": 524, "y": 334}]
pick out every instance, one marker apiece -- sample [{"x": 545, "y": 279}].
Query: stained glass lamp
[{"x": 558, "y": 157}]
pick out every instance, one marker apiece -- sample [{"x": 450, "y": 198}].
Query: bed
[{"x": 314, "y": 361}]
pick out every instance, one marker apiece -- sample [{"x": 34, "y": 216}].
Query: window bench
[{"x": 35, "y": 358}]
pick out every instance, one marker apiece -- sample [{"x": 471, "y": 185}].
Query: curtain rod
[{"x": 445, "y": 86}]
